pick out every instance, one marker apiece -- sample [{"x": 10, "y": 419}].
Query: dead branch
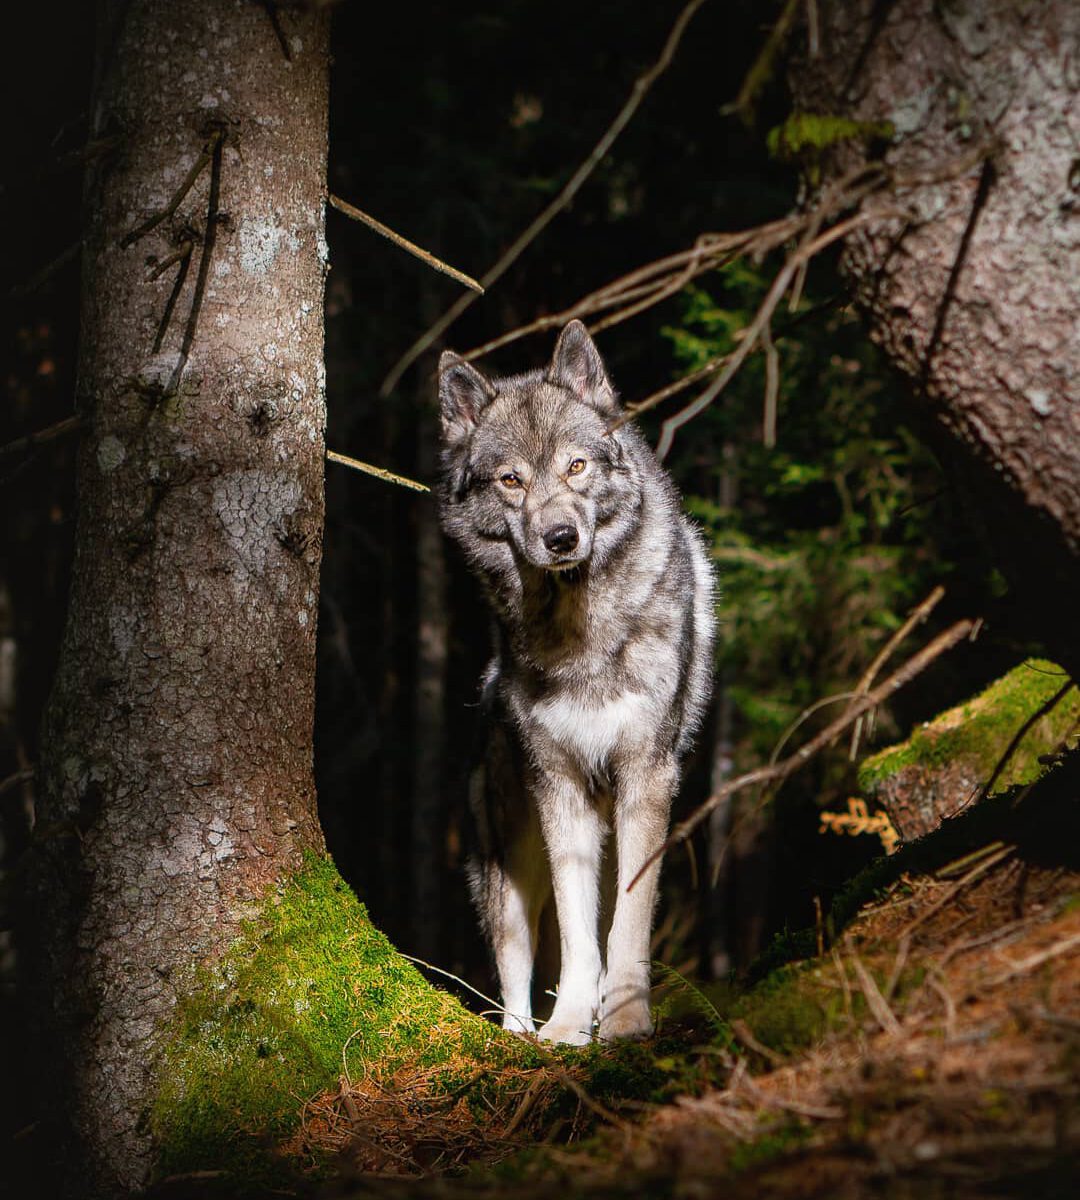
[
  {"x": 656, "y": 281},
  {"x": 777, "y": 772},
  {"x": 68, "y": 254},
  {"x": 637, "y": 94},
  {"x": 999, "y": 855},
  {"x": 206, "y": 157},
  {"x": 29, "y": 440},
  {"x": 1026, "y": 965},
  {"x": 915, "y": 617},
  {"x": 745, "y": 1036},
  {"x": 378, "y": 472},
  {"x": 403, "y": 243},
  {"x": 753, "y": 332},
  {"x": 214, "y": 148},
  {"x": 875, "y": 1001},
  {"x": 271, "y": 9},
  {"x": 13, "y": 781},
  {"x": 183, "y": 257},
  {"x": 170, "y": 260},
  {"x": 762, "y": 67},
  {"x": 772, "y": 387}
]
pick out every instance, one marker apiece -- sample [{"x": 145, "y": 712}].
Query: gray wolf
[{"x": 603, "y": 603}]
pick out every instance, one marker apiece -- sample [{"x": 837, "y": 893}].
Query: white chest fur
[{"x": 590, "y": 732}]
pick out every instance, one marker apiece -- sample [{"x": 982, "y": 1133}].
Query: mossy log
[{"x": 946, "y": 761}]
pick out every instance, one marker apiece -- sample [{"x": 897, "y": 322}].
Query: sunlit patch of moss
[
  {"x": 979, "y": 730},
  {"x": 309, "y": 990}
]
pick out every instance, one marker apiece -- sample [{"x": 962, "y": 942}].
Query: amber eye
[
  {"x": 576, "y": 466},
  {"x": 510, "y": 480}
]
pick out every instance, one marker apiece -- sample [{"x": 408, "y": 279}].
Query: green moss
[
  {"x": 814, "y": 132},
  {"x": 790, "y": 1009},
  {"x": 979, "y": 730},
  {"x": 309, "y": 989}
]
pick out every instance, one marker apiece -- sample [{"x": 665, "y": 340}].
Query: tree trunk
[
  {"x": 975, "y": 297},
  {"x": 176, "y": 774}
]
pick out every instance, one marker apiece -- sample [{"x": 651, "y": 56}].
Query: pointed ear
[
  {"x": 577, "y": 366},
  {"x": 463, "y": 394}
]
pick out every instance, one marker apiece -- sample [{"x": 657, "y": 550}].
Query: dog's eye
[
  {"x": 576, "y": 466},
  {"x": 510, "y": 480}
]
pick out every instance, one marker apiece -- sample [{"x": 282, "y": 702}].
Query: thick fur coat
[{"x": 603, "y": 602}]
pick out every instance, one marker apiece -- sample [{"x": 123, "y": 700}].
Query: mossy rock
[
  {"x": 942, "y": 766},
  {"x": 310, "y": 992}
]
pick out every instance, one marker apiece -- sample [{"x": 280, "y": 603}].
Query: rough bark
[
  {"x": 975, "y": 297},
  {"x": 176, "y": 775}
]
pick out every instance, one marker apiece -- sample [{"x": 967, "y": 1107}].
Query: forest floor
[{"x": 939, "y": 1057}]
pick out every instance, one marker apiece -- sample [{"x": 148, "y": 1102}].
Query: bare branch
[
  {"x": 215, "y": 146},
  {"x": 183, "y": 257},
  {"x": 1043, "y": 710},
  {"x": 30, "y": 440},
  {"x": 777, "y": 772},
  {"x": 772, "y": 387},
  {"x": 806, "y": 250},
  {"x": 271, "y": 9},
  {"x": 638, "y": 93},
  {"x": 875, "y": 1001},
  {"x": 68, "y": 254},
  {"x": 378, "y": 472},
  {"x": 915, "y": 617},
  {"x": 204, "y": 160},
  {"x": 385, "y": 231},
  {"x": 762, "y": 67}
]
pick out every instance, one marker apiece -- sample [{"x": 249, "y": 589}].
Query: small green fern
[{"x": 698, "y": 1001}]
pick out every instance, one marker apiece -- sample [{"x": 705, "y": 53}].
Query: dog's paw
[
  {"x": 630, "y": 1019},
  {"x": 512, "y": 1023},
  {"x": 569, "y": 1032}
]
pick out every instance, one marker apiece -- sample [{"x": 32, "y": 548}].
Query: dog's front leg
[
  {"x": 574, "y": 836},
  {"x": 642, "y": 807}
]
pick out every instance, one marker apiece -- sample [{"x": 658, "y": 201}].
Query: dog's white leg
[
  {"x": 574, "y": 832},
  {"x": 515, "y": 949},
  {"x": 642, "y": 807}
]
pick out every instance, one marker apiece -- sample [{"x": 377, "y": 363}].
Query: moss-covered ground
[
  {"x": 313, "y": 1036},
  {"x": 311, "y": 994},
  {"x": 930, "y": 1017}
]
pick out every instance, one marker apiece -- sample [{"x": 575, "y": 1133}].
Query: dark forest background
[{"x": 456, "y": 124}]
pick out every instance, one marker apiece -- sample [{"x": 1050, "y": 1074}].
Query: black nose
[{"x": 561, "y": 539}]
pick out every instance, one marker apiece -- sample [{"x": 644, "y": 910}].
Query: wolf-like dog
[{"x": 603, "y": 603}]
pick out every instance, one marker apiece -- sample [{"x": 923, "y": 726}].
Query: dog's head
[{"x": 528, "y": 460}]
